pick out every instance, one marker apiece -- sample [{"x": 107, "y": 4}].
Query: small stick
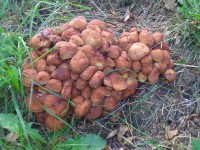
[{"x": 183, "y": 65}]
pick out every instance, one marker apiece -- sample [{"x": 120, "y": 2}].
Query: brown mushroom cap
[
  {"x": 94, "y": 112},
  {"x": 109, "y": 62},
  {"x": 79, "y": 23},
  {"x": 157, "y": 55},
  {"x": 133, "y": 37},
  {"x": 171, "y": 64},
  {"x": 167, "y": 57},
  {"x": 91, "y": 37},
  {"x": 54, "y": 59},
  {"x": 53, "y": 124},
  {"x": 153, "y": 75},
  {"x": 55, "y": 105},
  {"x": 69, "y": 32},
  {"x": 118, "y": 83},
  {"x": 147, "y": 69},
  {"x": 79, "y": 62},
  {"x": 81, "y": 84},
  {"x": 34, "y": 55},
  {"x": 74, "y": 76},
  {"x": 61, "y": 74},
  {"x": 75, "y": 92},
  {"x": 118, "y": 95},
  {"x": 40, "y": 65},
  {"x": 138, "y": 50},
  {"x": 88, "y": 73},
  {"x": 104, "y": 45},
  {"x": 158, "y": 36},
  {"x": 147, "y": 38},
  {"x": 81, "y": 109},
  {"x": 136, "y": 66},
  {"x": 114, "y": 51},
  {"x": 42, "y": 78},
  {"x": 34, "y": 103},
  {"x": 30, "y": 75},
  {"x": 123, "y": 41},
  {"x": 161, "y": 66},
  {"x": 67, "y": 89},
  {"x": 50, "y": 68},
  {"x": 94, "y": 27},
  {"x": 60, "y": 29},
  {"x": 77, "y": 100},
  {"x": 146, "y": 60},
  {"x": 123, "y": 62},
  {"x": 132, "y": 84},
  {"x": 142, "y": 77},
  {"x": 75, "y": 39},
  {"x": 67, "y": 50},
  {"x": 86, "y": 92},
  {"x": 99, "y": 23},
  {"x": 170, "y": 75},
  {"x": 109, "y": 103},
  {"x": 97, "y": 60},
  {"x": 109, "y": 37},
  {"x": 98, "y": 94},
  {"x": 96, "y": 79},
  {"x": 54, "y": 85},
  {"x": 39, "y": 41}
]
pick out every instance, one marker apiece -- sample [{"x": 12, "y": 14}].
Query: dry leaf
[
  {"x": 170, "y": 4},
  {"x": 12, "y": 137},
  {"x": 127, "y": 14},
  {"x": 169, "y": 134},
  {"x": 122, "y": 131},
  {"x": 107, "y": 148},
  {"x": 112, "y": 133}
]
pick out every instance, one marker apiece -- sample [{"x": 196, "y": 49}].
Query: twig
[{"x": 183, "y": 65}]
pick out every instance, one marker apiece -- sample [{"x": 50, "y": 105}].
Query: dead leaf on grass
[
  {"x": 170, "y": 4},
  {"x": 107, "y": 148},
  {"x": 128, "y": 12},
  {"x": 122, "y": 130},
  {"x": 112, "y": 133},
  {"x": 12, "y": 137},
  {"x": 169, "y": 134}
]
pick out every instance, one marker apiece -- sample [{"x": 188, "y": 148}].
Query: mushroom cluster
[{"x": 79, "y": 69}]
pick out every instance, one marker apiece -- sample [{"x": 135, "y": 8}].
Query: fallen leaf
[
  {"x": 122, "y": 130},
  {"x": 112, "y": 133},
  {"x": 121, "y": 148},
  {"x": 12, "y": 137},
  {"x": 170, "y": 4},
  {"x": 107, "y": 148},
  {"x": 169, "y": 134},
  {"x": 127, "y": 14}
]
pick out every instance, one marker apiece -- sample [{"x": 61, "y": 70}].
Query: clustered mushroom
[{"x": 79, "y": 69}]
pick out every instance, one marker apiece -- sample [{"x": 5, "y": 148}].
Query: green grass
[{"x": 20, "y": 20}]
